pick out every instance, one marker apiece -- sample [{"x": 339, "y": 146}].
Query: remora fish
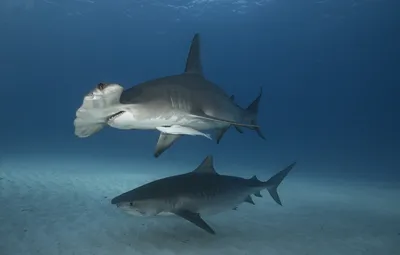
[
  {"x": 183, "y": 104},
  {"x": 197, "y": 193}
]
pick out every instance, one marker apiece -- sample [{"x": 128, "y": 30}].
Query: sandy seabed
[{"x": 62, "y": 206}]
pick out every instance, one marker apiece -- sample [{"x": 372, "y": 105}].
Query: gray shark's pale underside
[
  {"x": 197, "y": 193},
  {"x": 184, "y": 104}
]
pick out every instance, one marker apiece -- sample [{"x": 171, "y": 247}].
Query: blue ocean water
[
  {"x": 329, "y": 72},
  {"x": 328, "y": 69}
]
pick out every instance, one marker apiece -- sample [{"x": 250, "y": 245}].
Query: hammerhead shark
[{"x": 176, "y": 105}]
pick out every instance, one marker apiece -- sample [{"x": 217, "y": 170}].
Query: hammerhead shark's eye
[
  {"x": 90, "y": 93},
  {"x": 101, "y": 86}
]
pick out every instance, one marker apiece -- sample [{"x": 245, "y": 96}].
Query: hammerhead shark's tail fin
[
  {"x": 97, "y": 106},
  {"x": 252, "y": 112}
]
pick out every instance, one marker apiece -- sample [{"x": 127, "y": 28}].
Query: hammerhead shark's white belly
[{"x": 127, "y": 121}]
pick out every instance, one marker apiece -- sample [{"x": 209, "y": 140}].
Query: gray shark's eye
[{"x": 131, "y": 204}]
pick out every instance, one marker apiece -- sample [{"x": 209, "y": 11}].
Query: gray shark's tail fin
[
  {"x": 252, "y": 112},
  {"x": 193, "y": 61},
  {"x": 273, "y": 183},
  {"x": 97, "y": 106}
]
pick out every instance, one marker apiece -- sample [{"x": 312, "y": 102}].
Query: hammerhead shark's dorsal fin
[
  {"x": 193, "y": 61},
  {"x": 206, "y": 167}
]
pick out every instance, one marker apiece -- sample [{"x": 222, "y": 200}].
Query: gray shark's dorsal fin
[
  {"x": 206, "y": 167},
  {"x": 254, "y": 178},
  {"x": 193, "y": 61},
  {"x": 232, "y": 97}
]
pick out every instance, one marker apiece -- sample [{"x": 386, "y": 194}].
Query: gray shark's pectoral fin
[
  {"x": 164, "y": 142},
  {"x": 196, "y": 219},
  {"x": 201, "y": 115}
]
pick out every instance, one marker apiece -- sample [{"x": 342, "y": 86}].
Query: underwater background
[{"x": 329, "y": 70}]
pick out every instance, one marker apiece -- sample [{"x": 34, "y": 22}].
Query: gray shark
[
  {"x": 200, "y": 192},
  {"x": 183, "y": 104}
]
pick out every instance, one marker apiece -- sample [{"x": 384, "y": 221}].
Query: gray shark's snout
[
  {"x": 123, "y": 199},
  {"x": 121, "y": 204},
  {"x": 116, "y": 201}
]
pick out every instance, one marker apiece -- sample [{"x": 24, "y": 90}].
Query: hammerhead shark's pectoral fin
[
  {"x": 202, "y": 115},
  {"x": 182, "y": 130},
  {"x": 164, "y": 142},
  {"x": 196, "y": 219}
]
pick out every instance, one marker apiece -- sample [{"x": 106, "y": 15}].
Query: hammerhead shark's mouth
[{"x": 114, "y": 116}]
